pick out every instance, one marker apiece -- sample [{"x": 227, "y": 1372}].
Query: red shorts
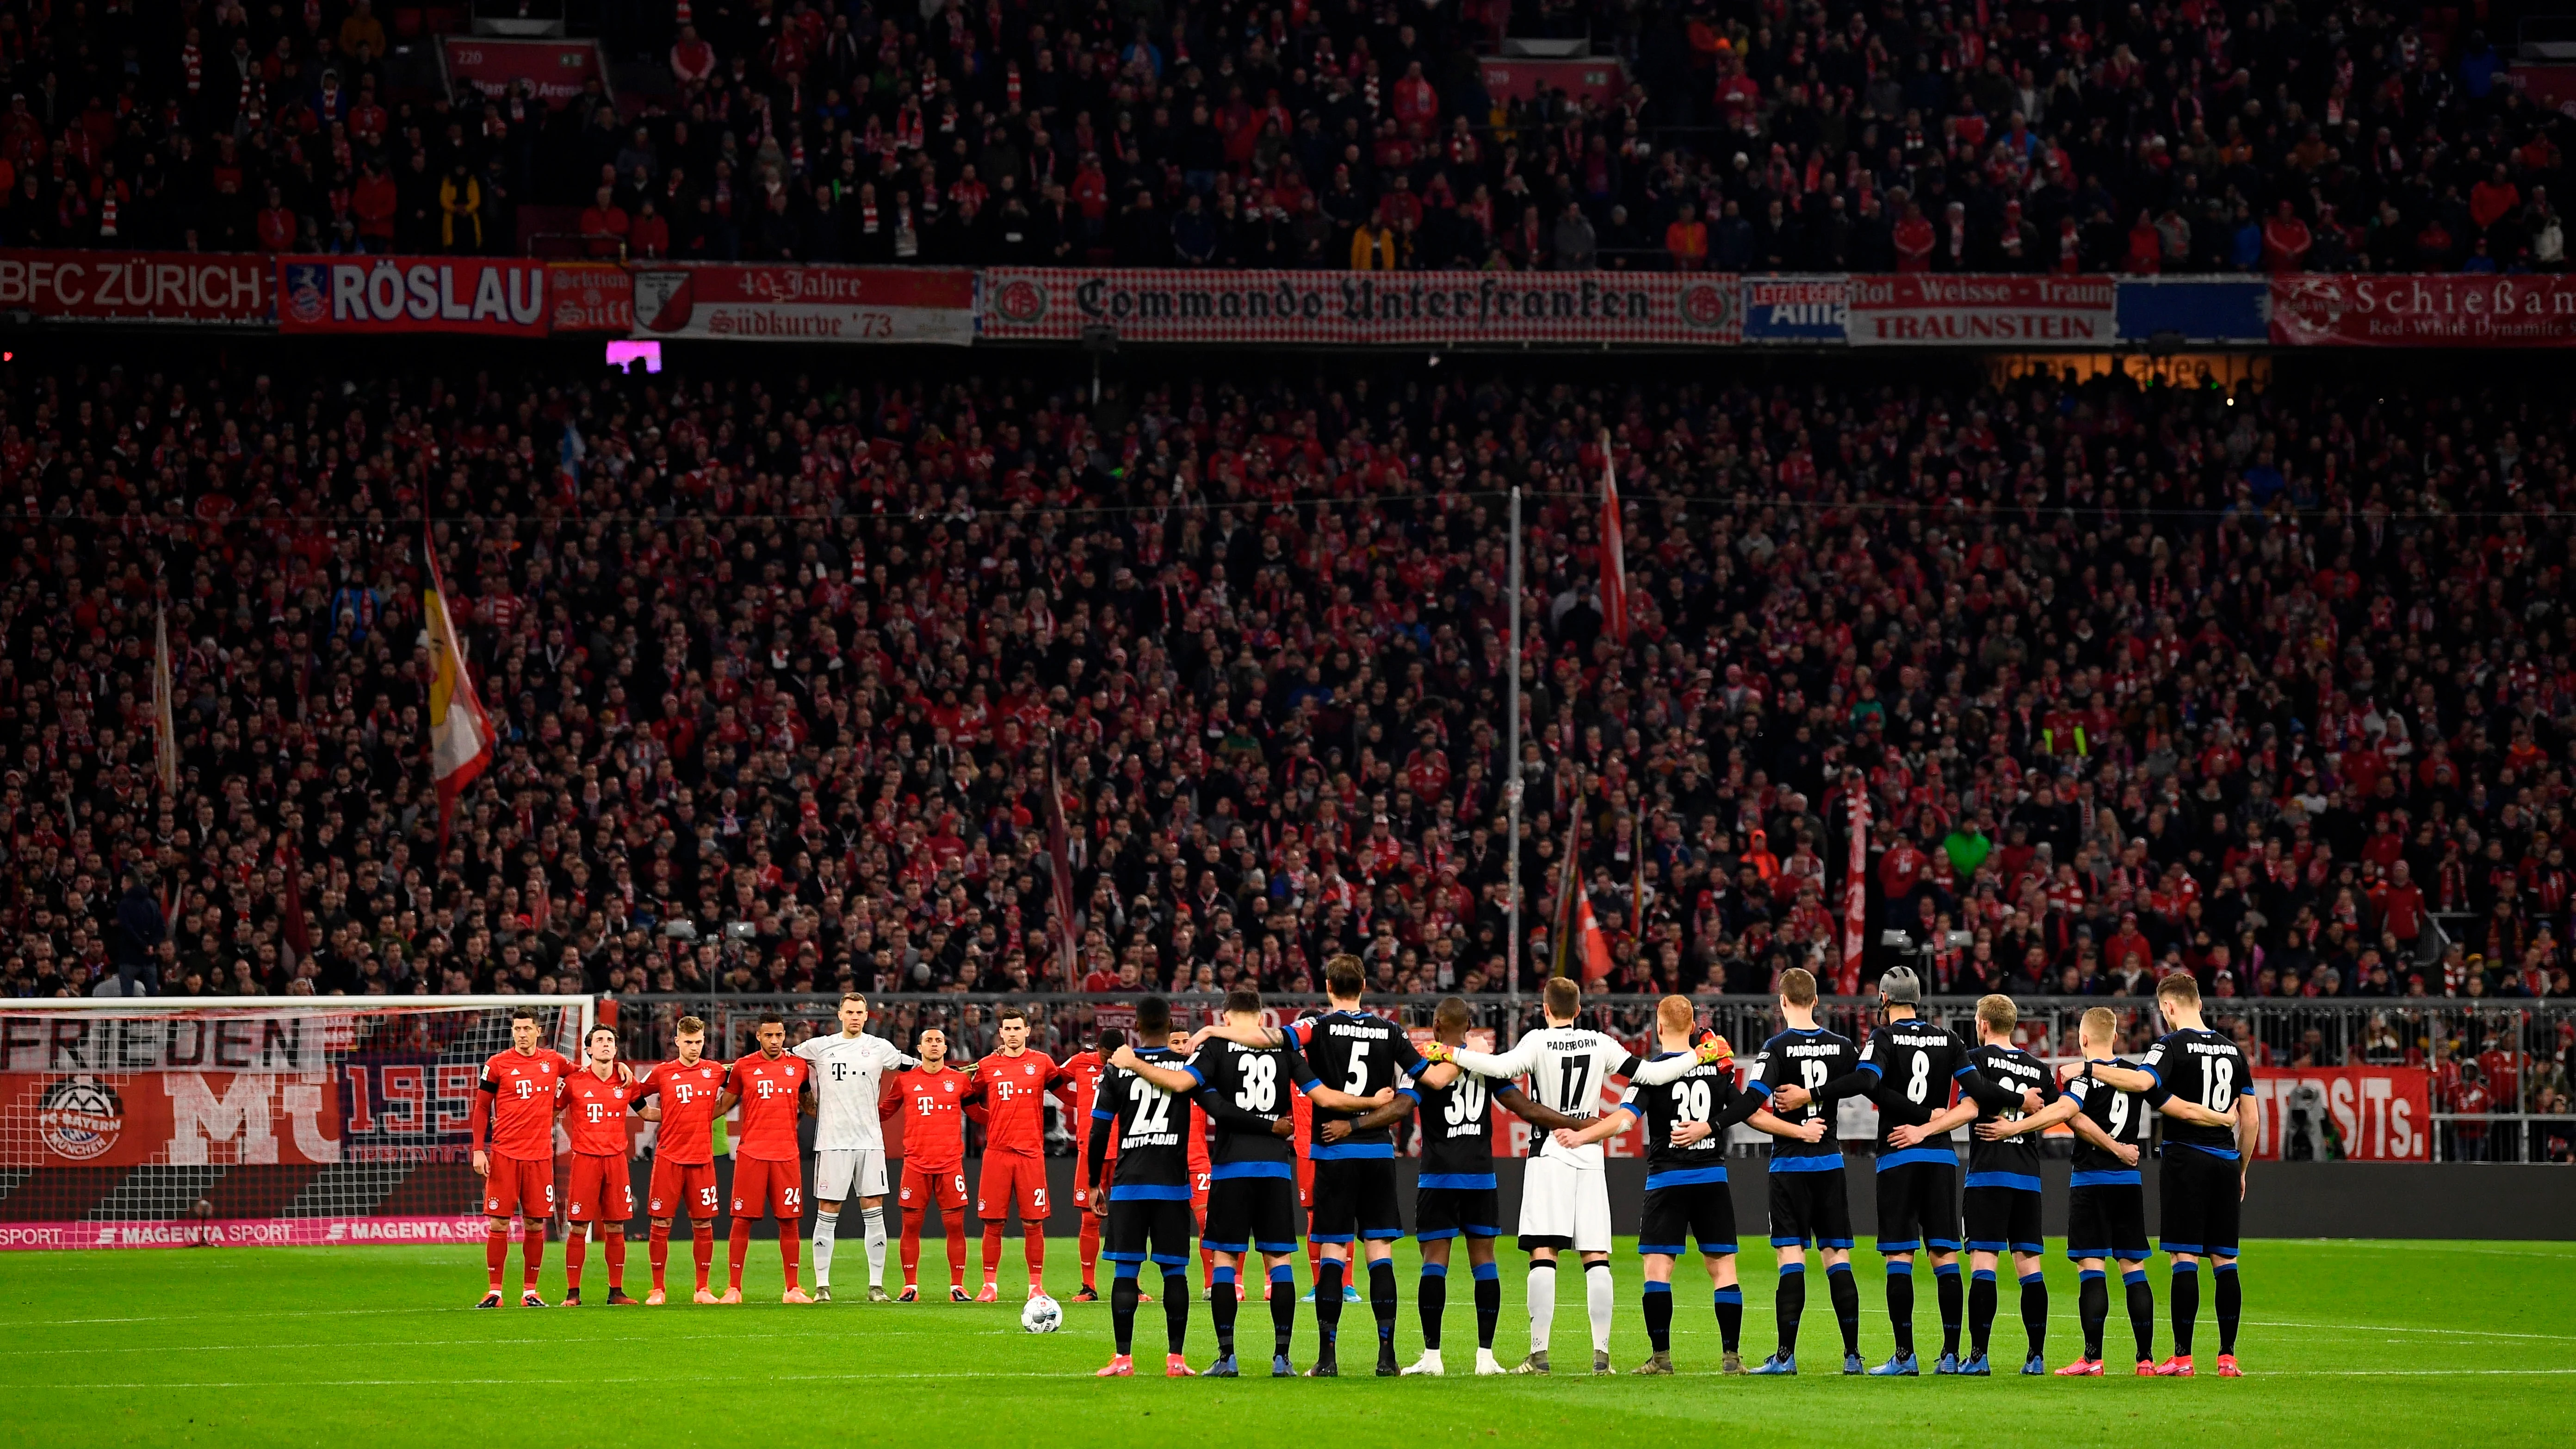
[
  {"x": 945, "y": 1189},
  {"x": 600, "y": 1192},
  {"x": 1012, "y": 1179},
  {"x": 682, "y": 1189},
  {"x": 765, "y": 1189},
  {"x": 516, "y": 1185},
  {"x": 1305, "y": 1182}
]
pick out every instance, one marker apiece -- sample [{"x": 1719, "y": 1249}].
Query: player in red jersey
[
  {"x": 515, "y": 1108},
  {"x": 932, "y": 1099},
  {"x": 1195, "y": 1132},
  {"x": 684, "y": 1154},
  {"x": 1082, "y": 1082},
  {"x": 594, "y": 1113},
  {"x": 1009, "y": 1098},
  {"x": 768, "y": 1165}
]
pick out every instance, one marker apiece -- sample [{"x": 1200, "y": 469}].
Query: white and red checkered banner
[{"x": 1362, "y": 309}]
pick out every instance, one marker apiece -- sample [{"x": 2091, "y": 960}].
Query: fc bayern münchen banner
[
  {"x": 2424, "y": 311},
  {"x": 1348, "y": 309},
  {"x": 1926, "y": 309},
  {"x": 494, "y": 296},
  {"x": 807, "y": 304}
]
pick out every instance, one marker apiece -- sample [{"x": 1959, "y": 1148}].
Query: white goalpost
[{"x": 153, "y": 1122}]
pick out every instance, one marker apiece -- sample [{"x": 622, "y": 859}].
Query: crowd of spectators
[
  {"x": 2136, "y": 681},
  {"x": 1752, "y": 135}
]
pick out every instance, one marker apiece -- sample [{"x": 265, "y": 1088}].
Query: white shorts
[
  {"x": 841, "y": 1176},
  {"x": 1565, "y": 1207}
]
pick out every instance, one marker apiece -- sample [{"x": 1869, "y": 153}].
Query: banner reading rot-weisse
[
  {"x": 2444, "y": 311},
  {"x": 2379, "y": 1114},
  {"x": 494, "y": 296},
  {"x": 1362, "y": 308},
  {"x": 807, "y": 304},
  {"x": 1921, "y": 309}
]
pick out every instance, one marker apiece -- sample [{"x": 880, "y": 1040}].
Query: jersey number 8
[{"x": 1918, "y": 1086}]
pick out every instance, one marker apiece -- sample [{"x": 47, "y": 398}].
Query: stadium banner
[
  {"x": 492, "y": 296},
  {"x": 2374, "y": 1114},
  {"x": 1361, "y": 309},
  {"x": 557, "y": 69},
  {"x": 216, "y": 290},
  {"x": 196, "y": 1041},
  {"x": 2424, "y": 311},
  {"x": 320, "y": 1232},
  {"x": 1920, "y": 309},
  {"x": 1796, "y": 309},
  {"x": 589, "y": 297},
  {"x": 2196, "y": 309},
  {"x": 806, "y": 304},
  {"x": 169, "y": 1118}
]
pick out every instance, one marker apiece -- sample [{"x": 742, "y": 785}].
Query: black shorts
[
  {"x": 1675, "y": 1215},
  {"x": 1355, "y": 1198},
  {"x": 2107, "y": 1221},
  {"x": 1450, "y": 1212},
  {"x": 1810, "y": 1207},
  {"x": 2004, "y": 1219},
  {"x": 1149, "y": 1228},
  {"x": 1918, "y": 1207},
  {"x": 1248, "y": 1214},
  {"x": 2202, "y": 1198}
]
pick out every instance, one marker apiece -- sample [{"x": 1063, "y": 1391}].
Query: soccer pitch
[{"x": 2343, "y": 1342}]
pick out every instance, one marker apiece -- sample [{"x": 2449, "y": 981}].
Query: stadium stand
[{"x": 1734, "y": 136}]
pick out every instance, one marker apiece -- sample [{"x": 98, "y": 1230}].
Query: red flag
[
  {"x": 1855, "y": 890},
  {"x": 1614, "y": 552},
  {"x": 1059, "y": 871},
  {"x": 460, "y": 734},
  {"x": 1596, "y": 945},
  {"x": 299, "y": 933}
]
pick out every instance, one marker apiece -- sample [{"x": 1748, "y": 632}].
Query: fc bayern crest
[{"x": 80, "y": 1118}]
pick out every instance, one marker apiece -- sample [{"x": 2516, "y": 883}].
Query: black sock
[
  {"x": 1953, "y": 1299},
  {"x": 2186, "y": 1305},
  {"x": 1283, "y": 1308},
  {"x": 1981, "y": 1308},
  {"x": 1221, "y": 1306},
  {"x": 1382, "y": 1298},
  {"x": 1176, "y": 1309},
  {"x": 1789, "y": 1304},
  {"x": 1328, "y": 1301},
  {"x": 2093, "y": 1306},
  {"x": 1730, "y": 1318},
  {"x": 1900, "y": 1305},
  {"x": 2034, "y": 1312},
  {"x": 1489, "y": 1302},
  {"x": 2228, "y": 1305},
  {"x": 1122, "y": 1307},
  {"x": 2142, "y": 1311},
  {"x": 1844, "y": 1290},
  {"x": 1659, "y": 1316},
  {"x": 1432, "y": 1297}
]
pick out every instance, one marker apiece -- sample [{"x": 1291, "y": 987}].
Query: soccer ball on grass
[{"x": 1042, "y": 1315}]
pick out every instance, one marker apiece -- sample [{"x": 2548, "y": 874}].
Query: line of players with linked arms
[{"x": 1243, "y": 1076}]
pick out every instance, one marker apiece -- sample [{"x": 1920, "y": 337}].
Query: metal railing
[{"x": 2500, "y": 1090}]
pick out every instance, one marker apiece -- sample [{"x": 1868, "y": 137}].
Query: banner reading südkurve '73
[{"x": 1361, "y": 308}]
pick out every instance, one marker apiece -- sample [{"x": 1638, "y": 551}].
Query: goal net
[{"x": 286, "y": 1121}]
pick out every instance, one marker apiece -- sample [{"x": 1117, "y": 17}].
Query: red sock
[
  {"x": 496, "y": 1252},
  {"x": 789, "y": 1240},
  {"x": 702, "y": 1246},
  {"x": 613, "y": 1242},
  {"x": 736, "y": 1250},
  {"x": 1033, "y": 1235},
  {"x": 1207, "y": 1268},
  {"x": 574, "y": 1242},
  {"x": 1088, "y": 1246},
  {"x": 992, "y": 1252},
  {"x": 956, "y": 1229},
  {"x": 911, "y": 1249},
  {"x": 532, "y": 1252},
  {"x": 657, "y": 1246}
]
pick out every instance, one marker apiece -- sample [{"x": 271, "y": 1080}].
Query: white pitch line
[
  {"x": 1031, "y": 1374},
  {"x": 2362, "y": 1328}
]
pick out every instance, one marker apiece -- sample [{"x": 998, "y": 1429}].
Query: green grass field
[{"x": 2344, "y": 1342}]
